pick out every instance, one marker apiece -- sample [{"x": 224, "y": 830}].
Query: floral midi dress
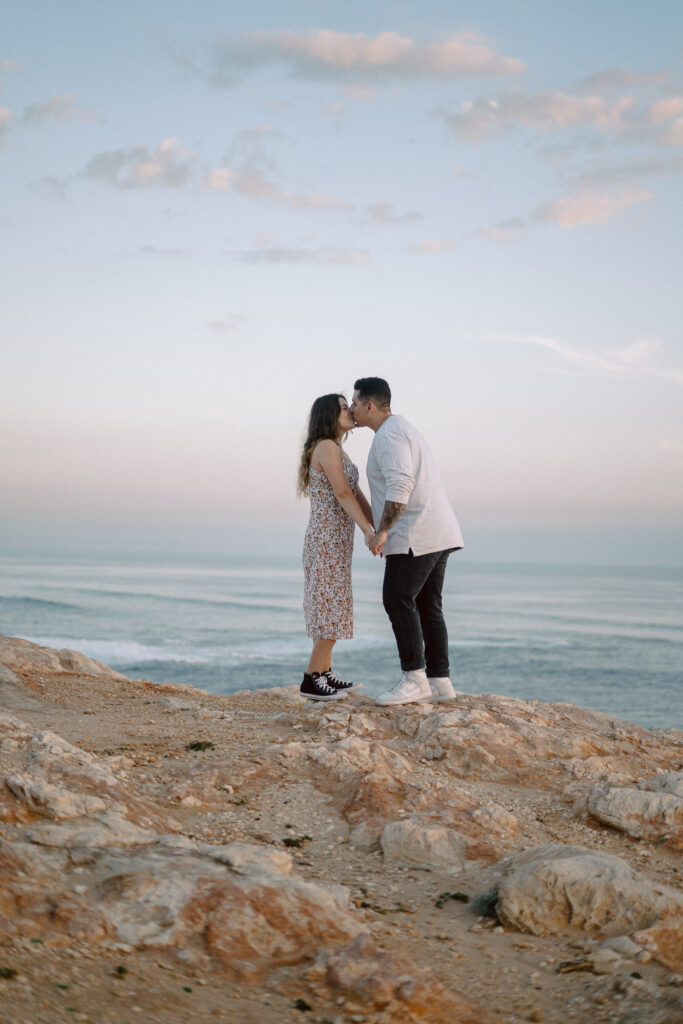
[{"x": 328, "y": 547}]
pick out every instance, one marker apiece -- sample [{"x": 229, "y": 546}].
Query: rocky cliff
[{"x": 167, "y": 855}]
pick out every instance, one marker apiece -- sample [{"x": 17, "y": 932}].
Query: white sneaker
[
  {"x": 412, "y": 688},
  {"x": 441, "y": 688}
]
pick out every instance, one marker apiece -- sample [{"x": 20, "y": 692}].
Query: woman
[{"x": 328, "y": 476}]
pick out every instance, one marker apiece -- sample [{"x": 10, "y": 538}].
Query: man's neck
[{"x": 385, "y": 417}]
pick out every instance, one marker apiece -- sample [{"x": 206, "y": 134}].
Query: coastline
[{"x": 326, "y": 855}]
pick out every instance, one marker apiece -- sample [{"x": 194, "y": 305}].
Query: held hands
[{"x": 375, "y": 541}]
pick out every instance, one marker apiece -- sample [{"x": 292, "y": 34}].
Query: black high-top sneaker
[
  {"x": 316, "y": 687},
  {"x": 339, "y": 684}
]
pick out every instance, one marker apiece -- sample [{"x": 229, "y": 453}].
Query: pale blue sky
[{"x": 212, "y": 213}]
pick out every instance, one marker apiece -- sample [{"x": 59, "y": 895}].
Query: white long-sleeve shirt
[{"x": 401, "y": 468}]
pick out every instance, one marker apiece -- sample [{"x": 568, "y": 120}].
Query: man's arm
[{"x": 392, "y": 512}]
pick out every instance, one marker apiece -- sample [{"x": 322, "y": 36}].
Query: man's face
[{"x": 359, "y": 411}]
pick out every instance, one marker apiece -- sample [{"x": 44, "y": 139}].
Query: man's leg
[
  {"x": 434, "y": 630},
  {"x": 404, "y": 578}
]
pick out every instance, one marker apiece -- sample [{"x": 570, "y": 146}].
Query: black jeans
[{"x": 412, "y": 600}]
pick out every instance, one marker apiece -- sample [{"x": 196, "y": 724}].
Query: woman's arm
[
  {"x": 327, "y": 455},
  {"x": 364, "y": 504}
]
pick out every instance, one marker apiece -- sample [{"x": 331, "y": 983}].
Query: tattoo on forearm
[{"x": 392, "y": 511}]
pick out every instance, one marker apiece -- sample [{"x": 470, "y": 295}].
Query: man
[{"x": 416, "y": 530}]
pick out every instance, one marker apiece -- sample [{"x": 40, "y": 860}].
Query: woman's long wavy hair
[{"x": 323, "y": 424}]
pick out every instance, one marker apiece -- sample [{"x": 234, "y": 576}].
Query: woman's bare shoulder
[
  {"x": 324, "y": 451},
  {"x": 325, "y": 447}
]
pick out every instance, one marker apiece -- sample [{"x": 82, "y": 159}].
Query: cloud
[
  {"x": 637, "y": 360},
  {"x": 622, "y": 78},
  {"x": 252, "y": 182},
  {"x": 50, "y": 186},
  {"x": 170, "y": 165},
  {"x": 5, "y": 116},
  {"x": 345, "y": 56},
  {"x": 664, "y": 110},
  {"x": 384, "y": 213},
  {"x": 220, "y": 179},
  {"x": 312, "y": 256},
  {"x": 589, "y": 207},
  {"x": 623, "y": 118},
  {"x": 60, "y": 108},
  {"x": 548, "y": 111},
  {"x": 432, "y": 245},
  {"x": 625, "y": 171}
]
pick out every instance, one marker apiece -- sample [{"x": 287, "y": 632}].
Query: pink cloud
[
  {"x": 590, "y": 207},
  {"x": 331, "y": 54},
  {"x": 170, "y": 165},
  {"x": 60, "y": 108}
]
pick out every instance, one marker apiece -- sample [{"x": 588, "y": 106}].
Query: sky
[{"x": 212, "y": 213}]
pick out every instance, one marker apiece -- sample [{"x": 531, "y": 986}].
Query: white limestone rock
[
  {"x": 108, "y": 829},
  {"x": 433, "y": 846},
  {"x": 249, "y": 859},
  {"x": 642, "y": 813},
  {"x": 52, "y": 801},
  {"x": 553, "y": 888},
  {"x": 665, "y": 782}
]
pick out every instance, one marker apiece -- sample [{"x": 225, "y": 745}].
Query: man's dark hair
[{"x": 375, "y": 389}]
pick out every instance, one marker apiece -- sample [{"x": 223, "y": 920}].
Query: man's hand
[{"x": 376, "y": 541}]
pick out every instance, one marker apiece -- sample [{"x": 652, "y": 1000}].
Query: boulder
[
  {"x": 25, "y": 658},
  {"x": 553, "y": 888},
  {"x": 433, "y": 846},
  {"x": 645, "y": 813},
  {"x": 365, "y": 979},
  {"x": 52, "y": 801},
  {"x": 251, "y": 922}
]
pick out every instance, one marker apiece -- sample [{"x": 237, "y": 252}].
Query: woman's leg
[{"x": 321, "y": 655}]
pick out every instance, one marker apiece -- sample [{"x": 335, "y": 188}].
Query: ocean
[{"x": 610, "y": 639}]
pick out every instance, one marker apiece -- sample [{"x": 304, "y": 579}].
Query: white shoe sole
[
  {"x": 310, "y": 696},
  {"x": 402, "y": 700},
  {"x": 441, "y": 700}
]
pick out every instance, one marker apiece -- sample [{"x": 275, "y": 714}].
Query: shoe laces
[
  {"x": 334, "y": 679},
  {"x": 323, "y": 685}
]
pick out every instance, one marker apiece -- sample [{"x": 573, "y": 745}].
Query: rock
[
  {"x": 623, "y": 946},
  {"x": 425, "y": 846},
  {"x": 52, "y": 801},
  {"x": 247, "y": 859},
  {"x": 25, "y": 658},
  {"x": 108, "y": 829},
  {"x": 642, "y": 813},
  {"x": 73, "y": 661},
  {"x": 552, "y": 888},
  {"x": 665, "y": 782},
  {"x": 493, "y": 818},
  {"x": 367, "y": 979},
  {"x": 8, "y": 677},
  {"x": 664, "y": 941},
  {"x": 250, "y": 922},
  {"x": 608, "y": 961}
]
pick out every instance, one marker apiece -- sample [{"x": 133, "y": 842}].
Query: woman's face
[{"x": 346, "y": 421}]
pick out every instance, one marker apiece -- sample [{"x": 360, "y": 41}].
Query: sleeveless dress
[{"x": 328, "y": 547}]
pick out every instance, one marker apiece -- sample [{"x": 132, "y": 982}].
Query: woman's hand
[{"x": 376, "y": 541}]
